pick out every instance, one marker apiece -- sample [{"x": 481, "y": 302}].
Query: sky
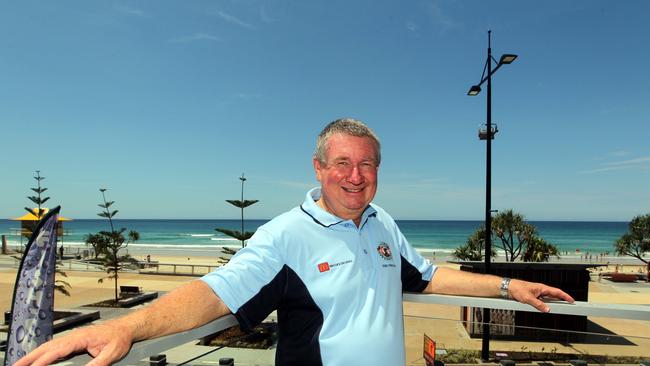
[{"x": 167, "y": 103}]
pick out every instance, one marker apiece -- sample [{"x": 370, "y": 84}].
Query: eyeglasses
[{"x": 345, "y": 166}]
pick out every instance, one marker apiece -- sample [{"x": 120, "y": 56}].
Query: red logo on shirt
[{"x": 323, "y": 267}]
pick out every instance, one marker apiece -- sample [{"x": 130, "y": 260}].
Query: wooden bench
[{"x": 130, "y": 289}]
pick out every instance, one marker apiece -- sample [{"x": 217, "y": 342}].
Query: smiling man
[{"x": 334, "y": 268}]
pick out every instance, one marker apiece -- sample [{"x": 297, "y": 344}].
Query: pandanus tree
[
  {"x": 110, "y": 243},
  {"x": 241, "y": 204},
  {"x": 636, "y": 242},
  {"x": 474, "y": 248},
  {"x": 517, "y": 238}
]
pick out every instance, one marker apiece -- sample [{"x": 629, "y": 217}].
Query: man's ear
[{"x": 317, "y": 168}]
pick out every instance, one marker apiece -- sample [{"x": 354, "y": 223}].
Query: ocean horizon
[{"x": 443, "y": 236}]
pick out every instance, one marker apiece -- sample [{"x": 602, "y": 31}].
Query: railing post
[{"x": 158, "y": 360}]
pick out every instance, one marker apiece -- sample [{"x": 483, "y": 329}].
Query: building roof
[{"x": 31, "y": 217}]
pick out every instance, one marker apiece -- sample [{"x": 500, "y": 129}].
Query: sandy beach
[{"x": 438, "y": 321}]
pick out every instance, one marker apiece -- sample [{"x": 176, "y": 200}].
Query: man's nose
[{"x": 355, "y": 176}]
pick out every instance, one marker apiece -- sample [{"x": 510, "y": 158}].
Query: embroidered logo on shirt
[
  {"x": 384, "y": 251},
  {"x": 327, "y": 266},
  {"x": 323, "y": 267}
]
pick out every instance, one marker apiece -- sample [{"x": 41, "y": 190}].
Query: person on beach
[{"x": 334, "y": 268}]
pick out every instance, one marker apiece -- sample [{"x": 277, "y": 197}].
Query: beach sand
[{"x": 439, "y": 322}]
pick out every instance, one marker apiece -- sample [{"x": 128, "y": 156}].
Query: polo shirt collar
[{"x": 325, "y": 218}]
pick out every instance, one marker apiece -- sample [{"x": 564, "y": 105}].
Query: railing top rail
[
  {"x": 621, "y": 311},
  {"x": 144, "y": 349}
]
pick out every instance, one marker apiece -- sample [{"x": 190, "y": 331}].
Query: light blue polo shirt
[{"x": 337, "y": 288}]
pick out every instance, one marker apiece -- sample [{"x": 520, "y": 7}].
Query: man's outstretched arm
[
  {"x": 454, "y": 282},
  {"x": 186, "y": 307}
]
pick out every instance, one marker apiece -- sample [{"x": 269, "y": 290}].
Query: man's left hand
[{"x": 532, "y": 292}]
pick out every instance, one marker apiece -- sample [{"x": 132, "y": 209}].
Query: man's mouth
[{"x": 352, "y": 190}]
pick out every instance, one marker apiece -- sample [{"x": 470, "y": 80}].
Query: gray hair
[{"x": 345, "y": 126}]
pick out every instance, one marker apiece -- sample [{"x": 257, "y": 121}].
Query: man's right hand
[
  {"x": 186, "y": 307},
  {"x": 106, "y": 343}
]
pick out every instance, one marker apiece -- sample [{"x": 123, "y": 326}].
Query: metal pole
[
  {"x": 242, "y": 207},
  {"x": 485, "y": 349}
]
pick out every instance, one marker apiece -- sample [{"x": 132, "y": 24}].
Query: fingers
[
  {"x": 46, "y": 354},
  {"x": 538, "y": 304},
  {"x": 557, "y": 294},
  {"x": 531, "y": 292}
]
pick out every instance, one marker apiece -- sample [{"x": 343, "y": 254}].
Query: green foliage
[
  {"x": 519, "y": 238},
  {"x": 242, "y": 203},
  {"x": 236, "y": 233},
  {"x": 539, "y": 250},
  {"x": 456, "y": 356},
  {"x": 510, "y": 232},
  {"x": 108, "y": 244},
  {"x": 59, "y": 285},
  {"x": 97, "y": 242},
  {"x": 38, "y": 199},
  {"x": 474, "y": 248},
  {"x": 636, "y": 241}
]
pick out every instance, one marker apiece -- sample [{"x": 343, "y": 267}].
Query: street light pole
[
  {"x": 485, "y": 346},
  {"x": 488, "y": 135}
]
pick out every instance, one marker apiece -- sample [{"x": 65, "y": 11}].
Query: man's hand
[
  {"x": 531, "y": 293},
  {"x": 454, "y": 282},
  {"x": 187, "y": 307},
  {"x": 107, "y": 343}
]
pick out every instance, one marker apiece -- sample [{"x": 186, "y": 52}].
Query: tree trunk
[{"x": 116, "y": 285}]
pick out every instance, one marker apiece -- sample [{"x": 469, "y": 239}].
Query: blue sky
[{"x": 166, "y": 103}]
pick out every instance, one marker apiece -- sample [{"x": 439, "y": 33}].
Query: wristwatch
[{"x": 505, "y": 283}]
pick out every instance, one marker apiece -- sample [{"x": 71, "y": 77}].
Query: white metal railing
[{"x": 144, "y": 349}]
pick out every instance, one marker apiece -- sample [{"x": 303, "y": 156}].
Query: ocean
[{"x": 573, "y": 237}]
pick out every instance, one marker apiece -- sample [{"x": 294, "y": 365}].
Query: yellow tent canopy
[{"x": 32, "y": 217}]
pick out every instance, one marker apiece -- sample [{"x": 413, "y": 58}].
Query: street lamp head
[
  {"x": 507, "y": 58},
  {"x": 474, "y": 90}
]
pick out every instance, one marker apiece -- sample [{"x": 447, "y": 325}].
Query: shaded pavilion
[{"x": 29, "y": 221}]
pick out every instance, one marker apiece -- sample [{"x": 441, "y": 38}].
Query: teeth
[{"x": 352, "y": 190}]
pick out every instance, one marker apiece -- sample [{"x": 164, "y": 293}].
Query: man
[{"x": 334, "y": 268}]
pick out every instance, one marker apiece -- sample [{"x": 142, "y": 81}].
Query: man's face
[{"x": 349, "y": 177}]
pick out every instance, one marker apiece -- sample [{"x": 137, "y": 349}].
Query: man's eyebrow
[{"x": 341, "y": 158}]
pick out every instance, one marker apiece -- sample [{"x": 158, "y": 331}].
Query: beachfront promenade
[{"x": 441, "y": 322}]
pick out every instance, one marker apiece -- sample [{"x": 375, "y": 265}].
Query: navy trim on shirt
[{"x": 299, "y": 318}]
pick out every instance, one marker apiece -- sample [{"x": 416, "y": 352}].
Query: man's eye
[{"x": 342, "y": 163}]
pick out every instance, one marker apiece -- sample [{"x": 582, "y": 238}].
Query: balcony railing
[{"x": 142, "y": 350}]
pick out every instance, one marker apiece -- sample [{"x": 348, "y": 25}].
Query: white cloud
[
  {"x": 131, "y": 11},
  {"x": 234, "y": 20},
  {"x": 248, "y": 96},
  {"x": 439, "y": 17},
  {"x": 411, "y": 26},
  {"x": 637, "y": 163},
  {"x": 264, "y": 15},
  {"x": 619, "y": 153},
  {"x": 195, "y": 37}
]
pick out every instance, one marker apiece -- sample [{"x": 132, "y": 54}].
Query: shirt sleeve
[
  {"x": 416, "y": 271},
  {"x": 247, "y": 272}
]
